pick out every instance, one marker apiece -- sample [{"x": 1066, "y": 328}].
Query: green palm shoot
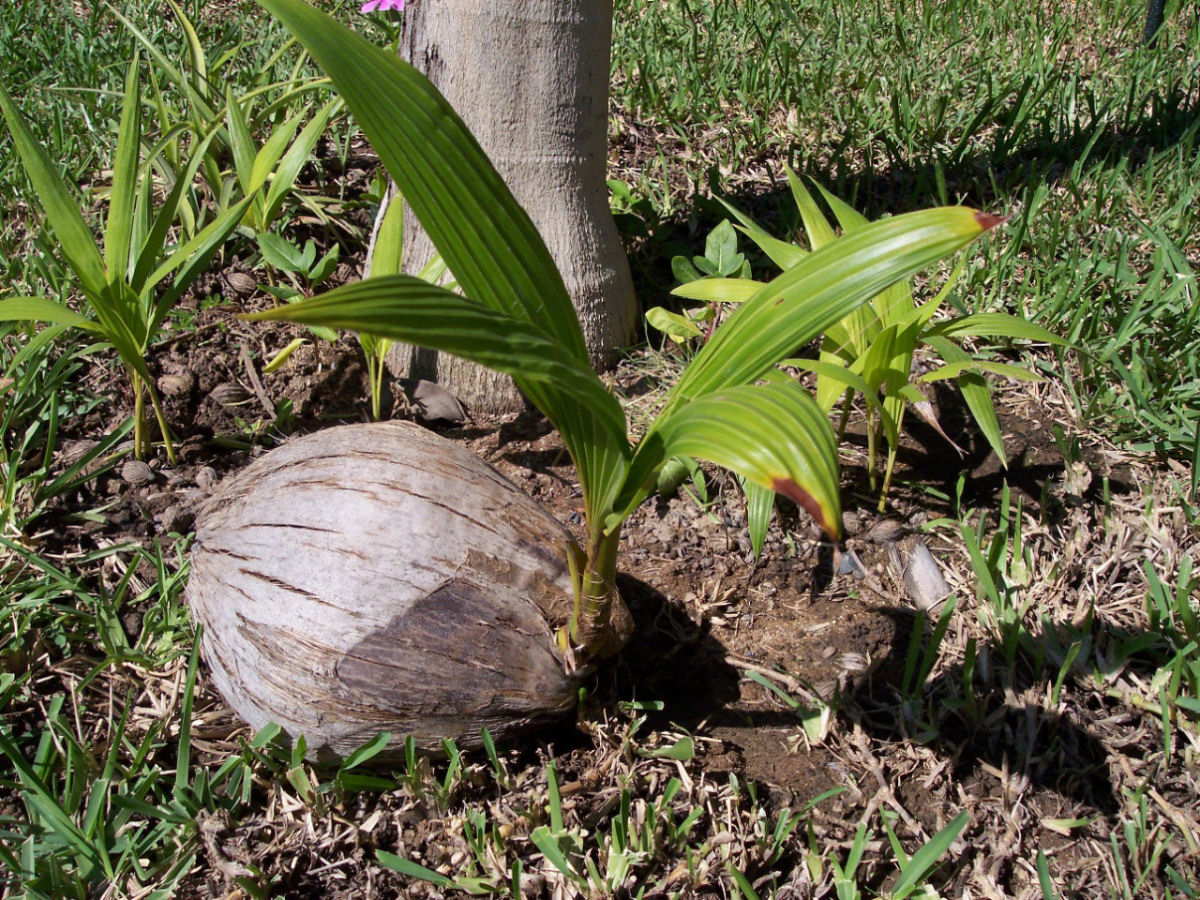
[
  {"x": 514, "y": 315},
  {"x": 131, "y": 284},
  {"x": 869, "y": 353}
]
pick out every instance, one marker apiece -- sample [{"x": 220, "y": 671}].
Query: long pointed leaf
[
  {"x": 821, "y": 290},
  {"x": 719, "y": 290},
  {"x": 295, "y": 158},
  {"x": 975, "y": 392},
  {"x": 119, "y": 229},
  {"x": 191, "y": 258},
  {"x": 77, "y": 242},
  {"x": 408, "y": 309},
  {"x": 781, "y": 253},
  {"x": 996, "y": 325},
  {"x": 760, "y": 501},
  {"x": 152, "y": 248},
  {"x": 39, "y": 309},
  {"x": 488, "y": 240},
  {"x": 774, "y": 435}
]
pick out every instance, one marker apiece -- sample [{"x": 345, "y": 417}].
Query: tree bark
[{"x": 530, "y": 79}]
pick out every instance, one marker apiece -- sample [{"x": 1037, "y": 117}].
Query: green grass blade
[
  {"x": 773, "y": 435},
  {"x": 412, "y": 869},
  {"x": 404, "y": 308},
  {"x": 487, "y": 239},
  {"x": 42, "y": 799},
  {"x": 77, "y": 242},
  {"x": 119, "y": 228},
  {"x": 39, "y": 309},
  {"x": 926, "y": 858},
  {"x": 820, "y": 291}
]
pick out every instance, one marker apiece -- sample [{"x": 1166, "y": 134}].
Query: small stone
[
  {"x": 177, "y": 519},
  {"x": 433, "y": 403}
]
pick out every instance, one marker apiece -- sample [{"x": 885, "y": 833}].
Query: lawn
[{"x": 809, "y": 721}]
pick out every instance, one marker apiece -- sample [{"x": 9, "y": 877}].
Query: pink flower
[{"x": 373, "y": 5}]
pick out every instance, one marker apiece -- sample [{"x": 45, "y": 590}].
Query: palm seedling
[{"x": 377, "y": 577}]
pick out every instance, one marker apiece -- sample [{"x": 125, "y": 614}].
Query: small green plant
[
  {"x": 515, "y": 316},
  {"x": 133, "y": 284},
  {"x": 721, "y": 259},
  {"x": 870, "y": 352},
  {"x": 234, "y": 165}
]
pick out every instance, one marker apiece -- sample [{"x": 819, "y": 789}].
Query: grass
[
  {"x": 1072, "y": 634},
  {"x": 1062, "y": 120}
]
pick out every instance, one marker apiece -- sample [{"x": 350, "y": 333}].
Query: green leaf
[
  {"x": 781, "y": 253},
  {"x": 719, "y": 290},
  {"x": 119, "y": 229},
  {"x": 976, "y": 393},
  {"x": 820, "y": 291},
  {"x": 191, "y": 259},
  {"x": 683, "y": 270},
  {"x": 76, "y": 240},
  {"x": 926, "y": 858},
  {"x": 272, "y": 149},
  {"x": 995, "y": 325},
  {"x": 678, "y": 328},
  {"x": 39, "y": 309},
  {"x": 760, "y": 501},
  {"x": 412, "y": 869},
  {"x": 367, "y": 751},
  {"x": 774, "y": 435},
  {"x": 280, "y": 253},
  {"x": 547, "y": 842},
  {"x": 241, "y": 142},
  {"x": 404, "y": 308},
  {"x": 295, "y": 158},
  {"x": 815, "y": 224},
  {"x": 152, "y": 247},
  {"x": 388, "y": 251},
  {"x": 720, "y": 248},
  {"x": 325, "y": 266},
  {"x": 442, "y": 173},
  {"x": 486, "y": 238},
  {"x": 953, "y": 370}
]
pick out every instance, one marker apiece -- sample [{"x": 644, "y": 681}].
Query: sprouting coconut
[
  {"x": 375, "y": 578},
  {"x": 379, "y": 577}
]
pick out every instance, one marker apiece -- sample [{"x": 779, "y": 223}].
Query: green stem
[
  {"x": 599, "y": 624},
  {"x": 139, "y": 416},
  {"x": 871, "y": 440}
]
